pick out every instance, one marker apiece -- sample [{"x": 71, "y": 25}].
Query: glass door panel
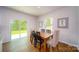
[
  {"x": 23, "y": 29},
  {"x": 15, "y": 30},
  {"x": 18, "y": 29}
]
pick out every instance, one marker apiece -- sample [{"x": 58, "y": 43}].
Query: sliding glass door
[
  {"x": 23, "y": 29},
  {"x": 18, "y": 29}
]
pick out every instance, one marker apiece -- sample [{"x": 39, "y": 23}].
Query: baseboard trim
[{"x": 71, "y": 44}]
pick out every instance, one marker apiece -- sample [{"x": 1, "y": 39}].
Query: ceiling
[{"x": 35, "y": 10}]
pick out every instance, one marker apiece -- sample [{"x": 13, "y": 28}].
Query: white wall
[
  {"x": 0, "y": 30},
  {"x": 68, "y": 35},
  {"x": 10, "y": 15},
  {"x": 78, "y": 23}
]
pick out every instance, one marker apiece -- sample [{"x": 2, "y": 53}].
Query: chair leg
[
  {"x": 57, "y": 48},
  {"x": 50, "y": 49},
  {"x": 46, "y": 47},
  {"x": 40, "y": 48}
]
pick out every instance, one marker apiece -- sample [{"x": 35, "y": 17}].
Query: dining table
[{"x": 45, "y": 37}]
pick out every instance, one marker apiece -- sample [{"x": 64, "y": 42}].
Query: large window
[
  {"x": 48, "y": 23},
  {"x": 18, "y": 29}
]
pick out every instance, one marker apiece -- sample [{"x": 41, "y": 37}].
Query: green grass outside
[{"x": 18, "y": 32}]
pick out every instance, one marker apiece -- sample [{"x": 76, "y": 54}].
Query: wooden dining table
[{"x": 45, "y": 37}]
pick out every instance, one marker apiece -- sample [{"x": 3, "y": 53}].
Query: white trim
[{"x": 70, "y": 44}]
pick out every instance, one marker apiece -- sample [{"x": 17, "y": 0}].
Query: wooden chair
[
  {"x": 31, "y": 37},
  {"x": 42, "y": 30},
  {"x": 52, "y": 42},
  {"x": 48, "y": 31},
  {"x": 36, "y": 39}
]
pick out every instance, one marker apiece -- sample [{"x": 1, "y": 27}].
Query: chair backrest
[
  {"x": 42, "y": 30},
  {"x": 53, "y": 42},
  {"x": 36, "y": 35},
  {"x": 48, "y": 31}
]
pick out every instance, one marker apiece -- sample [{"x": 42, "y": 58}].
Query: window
[
  {"x": 18, "y": 29},
  {"x": 48, "y": 23}
]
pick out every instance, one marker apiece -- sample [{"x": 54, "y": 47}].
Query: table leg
[{"x": 45, "y": 46}]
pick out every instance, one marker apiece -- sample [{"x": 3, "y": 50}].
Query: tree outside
[
  {"x": 48, "y": 23},
  {"x": 18, "y": 27}
]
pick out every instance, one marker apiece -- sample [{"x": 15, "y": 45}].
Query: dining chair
[
  {"x": 37, "y": 40},
  {"x": 52, "y": 42},
  {"x": 48, "y": 31},
  {"x": 31, "y": 37},
  {"x": 42, "y": 30}
]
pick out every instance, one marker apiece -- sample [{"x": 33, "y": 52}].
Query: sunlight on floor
[{"x": 17, "y": 36}]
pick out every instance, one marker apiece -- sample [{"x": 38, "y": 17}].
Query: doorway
[{"x": 18, "y": 29}]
